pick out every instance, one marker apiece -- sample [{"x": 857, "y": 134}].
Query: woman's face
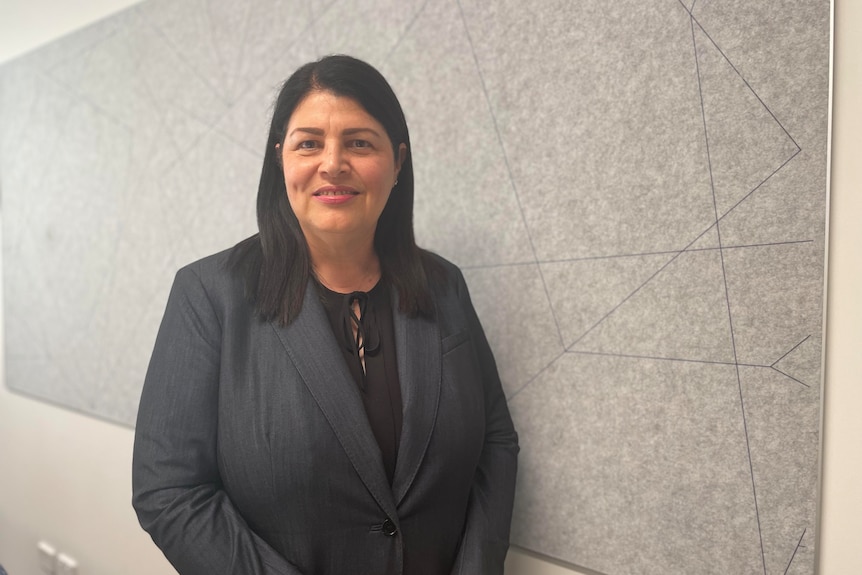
[{"x": 339, "y": 167}]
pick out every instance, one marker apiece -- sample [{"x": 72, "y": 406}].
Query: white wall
[
  {"x": 841, "y": 530},
  {"x": 26, "y": 24},
  {"x": 65, "y": 477}
]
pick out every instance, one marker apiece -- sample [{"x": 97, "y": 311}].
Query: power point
[
  {"x": 47, "y": 557},
  {"x": 66, "y": 565}
]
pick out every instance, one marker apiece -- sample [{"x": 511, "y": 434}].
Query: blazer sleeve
[
  {"x": 485, "y": 541},
  {"x": 177, "y": 490}
]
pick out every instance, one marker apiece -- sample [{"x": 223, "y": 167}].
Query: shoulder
[
  {"x": 208, "y": 270},
  {"x": 212, "y": 277},
  {"x": 448, "y": 286},
  {"x": 211, "y": 266},
  {"x": 443, "y": 275},
  {"x": 438, "y": 260}
]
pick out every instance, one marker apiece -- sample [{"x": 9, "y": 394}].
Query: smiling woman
[
  {"x": 339, "y": 169},
  {"x": 321, "y": 398}
]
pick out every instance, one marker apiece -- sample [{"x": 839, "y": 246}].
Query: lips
[
  {"x": 335, "y": 195},
  {"x": 336, "y": 191}
]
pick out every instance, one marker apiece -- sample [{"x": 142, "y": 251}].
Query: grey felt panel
[
  {"x": 228, "y": 44},
  {"x": 586, "y": 98},
  {"x": 466, "y": 206},
  {"x": 367, "y": 29},
  {"x": 514, "y": 309},
  {"x": 636, "y": 192},
  {"x": 647, "y": 463}
]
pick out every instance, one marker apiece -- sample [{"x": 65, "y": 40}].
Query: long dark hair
[{"x": 275, "y": 262}]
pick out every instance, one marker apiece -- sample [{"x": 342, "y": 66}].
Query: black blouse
[{"x": 375, "y": 342}]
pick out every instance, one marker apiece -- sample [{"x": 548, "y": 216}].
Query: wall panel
[{"x": 635, "y": 191}]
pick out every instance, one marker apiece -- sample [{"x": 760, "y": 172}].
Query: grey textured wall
[{"x": 636, "y": 192}]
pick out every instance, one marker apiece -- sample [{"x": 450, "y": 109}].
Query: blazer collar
[{"x": 312, "y": 348}]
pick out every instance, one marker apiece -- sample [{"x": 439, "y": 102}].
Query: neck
[{"x": 345, "y": 267}]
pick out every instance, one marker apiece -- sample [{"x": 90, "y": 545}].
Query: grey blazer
[{"x": 253, "y": 453}]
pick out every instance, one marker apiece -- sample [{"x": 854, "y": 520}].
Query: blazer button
[{"x": 389, "y": 528}]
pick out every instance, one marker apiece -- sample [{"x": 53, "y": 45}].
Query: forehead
[{"x": 321, "y": 109}]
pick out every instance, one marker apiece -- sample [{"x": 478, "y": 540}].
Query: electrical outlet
[
  {"x": 47, "y": 557},
  {"x": 66, "y": 565}
]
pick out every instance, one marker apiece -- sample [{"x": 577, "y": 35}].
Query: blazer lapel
[
  {"x": 313, "y": 350},
  {"x": 417, "y": 343}
]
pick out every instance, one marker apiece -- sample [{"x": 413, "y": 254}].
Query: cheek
[
  {"x": 383, "y": 175},
  {"x": 296, "y": 172},
  {"x": 382, "y": 202},
  {"x": 294, "y": 183},
  {"x": 295, "y": 196}
]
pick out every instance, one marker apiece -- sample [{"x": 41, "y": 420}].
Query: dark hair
[{"x": 275, "y": 262}]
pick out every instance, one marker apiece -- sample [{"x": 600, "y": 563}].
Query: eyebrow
[{"x": 347, "y": 132}]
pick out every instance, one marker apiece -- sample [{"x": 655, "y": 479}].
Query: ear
[{"x": 402, "y": 155}]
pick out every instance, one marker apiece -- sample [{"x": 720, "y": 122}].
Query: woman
[{"x": 321, "y": 398}]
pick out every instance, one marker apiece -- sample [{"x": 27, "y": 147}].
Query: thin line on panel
[
  {"x": 669, "y": 252},
  {"x": 175, "y": 162},
  {"x": 689, "y": 9},
  {"x": 329, "y": 5},
  {"x": 189, "y": 113},
  {"x": 727, "y": 300},
  {"x": 312, "y": 30},
  {"x": 405, "y": 32},
  {"x": 85, "y": 99},
  {"x": 222, "y": 65},
  {"x": 686, "y": 8},
  {"x": 793, "y": 556},
  {"x": 239, "y": 61},
  {"x": 789, "y": 376},
  {"x": 747, "y": 85},
  {"x": 659, "y": 358},
  {"x": 78, "y": 98},
  {"x": 193, "y": 69},
  {"x": 634, "y": 255},
  {"x": 636, "y": 290},
  {"x": 532, "y": 379},
  {"x": 685, "y": 249},
  {"x": 682, "y": 360},
  {"x": 165, "y": 130},
  {"x": 230, "y": 137},
  {"x": 308, "y": 29},
  {"x": 762, "y": 245},
  {"x": 509, "y": 170},
  {"x": 790, "y": 351},
  {"x": 80, "y": 53},
  {"x": 758, "y": 186}
]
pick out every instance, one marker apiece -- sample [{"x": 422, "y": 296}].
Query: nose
[{"x": 334, "y": 161}]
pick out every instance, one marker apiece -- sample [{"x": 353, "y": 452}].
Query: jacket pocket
[{"x": 453, "y": 340}]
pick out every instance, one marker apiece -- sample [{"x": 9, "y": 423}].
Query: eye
[
  {"x": 361, "y": 144},
  {"x": 306, "y": 145}
]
